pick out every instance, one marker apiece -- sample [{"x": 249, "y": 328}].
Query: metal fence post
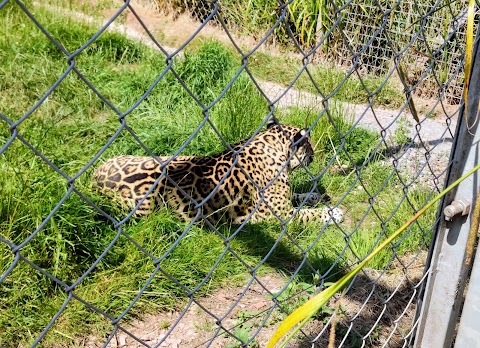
[
  {"x": 443, "y": 295},
  {"x": 468, "y": 334}
]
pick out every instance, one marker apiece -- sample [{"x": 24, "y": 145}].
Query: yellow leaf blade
[{"x": 468, "y": 50}]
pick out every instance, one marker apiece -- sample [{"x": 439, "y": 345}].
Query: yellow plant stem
[
  {"x": 469, "y": 48},
  {"x": 468, "y": 57},
  {"x": 308, "y": 309}
]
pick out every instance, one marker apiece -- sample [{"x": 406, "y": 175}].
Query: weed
[
  {"x": 242, "y": 334},
  {"x": 294, "y": 295},
  {"x": 245, "y": 315},
  {"x": 401, "y": 135},
  {"x": 204, "y": 325},
  {"x": 164, "y": 324},
  {"x": 356, "y": 337}
]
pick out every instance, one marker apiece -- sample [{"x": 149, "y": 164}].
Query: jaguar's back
[{"x": 251, "y": 179}]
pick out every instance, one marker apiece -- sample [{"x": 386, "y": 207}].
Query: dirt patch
[
  {"x": 169, "y": 30},
  {"x": 377, "y": 311},
  {"x": 195, "y": 325},
  {"x": 379, "y": 307}
]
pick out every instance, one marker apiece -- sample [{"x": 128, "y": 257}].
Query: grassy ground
[
  {"x": 281, "y": 67},
  {"x": 71, "y": 126}
]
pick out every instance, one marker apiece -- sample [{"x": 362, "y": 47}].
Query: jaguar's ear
[
  {"x": 272, "y": 122},
  {"x": 299, "y": 135}
]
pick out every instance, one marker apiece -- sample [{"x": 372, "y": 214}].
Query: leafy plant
[
  {"x": 401, "y": 135},
  {"x": 242, "y": 334}
]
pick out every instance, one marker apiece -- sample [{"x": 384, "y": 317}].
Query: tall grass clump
[
  {"x": 310, "y": 20},
  {"x": 256, "y": 17},
  {"x": 170, "y": 109}
]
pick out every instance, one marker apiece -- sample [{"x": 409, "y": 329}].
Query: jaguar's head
[{"x": 300, "y": 150}]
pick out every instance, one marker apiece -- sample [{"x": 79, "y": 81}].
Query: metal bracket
[{"x": 458, "y": 206}]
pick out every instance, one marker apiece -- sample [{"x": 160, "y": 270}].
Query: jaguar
[{"x": 249, "y": 181}]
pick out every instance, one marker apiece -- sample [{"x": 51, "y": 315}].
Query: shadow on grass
[
  {"x": 288, "y": 256},
  {"x": 373, "y": 313}
]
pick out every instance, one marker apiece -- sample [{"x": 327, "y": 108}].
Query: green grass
[
  {"x": 327, "y": 78},
  {"x": 71, "y": 126},
  {"x": 257, "y": 16}
]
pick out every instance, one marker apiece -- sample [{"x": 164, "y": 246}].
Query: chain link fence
[
  {"x": 81, "y": 84},
  {"x": 421, "y": 38}
]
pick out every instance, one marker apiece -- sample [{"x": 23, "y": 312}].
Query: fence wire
[
  {"x": 67, "y": 263},
  {"x": 420, "y": 36}
]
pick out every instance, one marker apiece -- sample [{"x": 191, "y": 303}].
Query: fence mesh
[
  {"x": 83, "y": 83},
  {"x": 421, "y": 37}
]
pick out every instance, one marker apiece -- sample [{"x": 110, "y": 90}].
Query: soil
[
  {"x": 197, "y": 328},
  {"x": 385, "y": 315},
  {"x": 388, "y": 311}
]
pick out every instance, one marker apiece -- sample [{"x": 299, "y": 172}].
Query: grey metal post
[
  {"x": 445, "y": 286},
  {"x": 468, "y": 334}
]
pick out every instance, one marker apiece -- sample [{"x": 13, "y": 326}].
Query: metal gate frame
[{"x": 450, "y": 260}]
